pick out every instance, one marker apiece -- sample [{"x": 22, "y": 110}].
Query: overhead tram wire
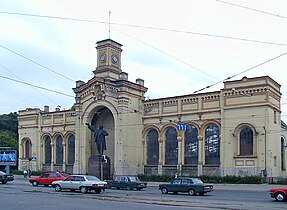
[
  {"x": 169, "y": 55},
  {"x": 32, "y": 87},
  {"x": 45, "y": 67},
  {"x": 147, "y": 27},
  {"x": 43, "y": 88},
  {"x": 252, "y": 9},
  {"x": 228, "y": 78}
]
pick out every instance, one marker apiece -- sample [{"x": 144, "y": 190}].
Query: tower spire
[{"x": 109, "y": 24}]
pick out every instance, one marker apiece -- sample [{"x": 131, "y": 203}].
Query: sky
[{"x": 177, "y": 47}]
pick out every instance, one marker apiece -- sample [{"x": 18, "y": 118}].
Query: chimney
[
  {"x": 46, "y": 108},
  {"x": 140, "y": 81}
]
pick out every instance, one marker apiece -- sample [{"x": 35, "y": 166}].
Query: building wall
[{"x": 246, "y": 103}]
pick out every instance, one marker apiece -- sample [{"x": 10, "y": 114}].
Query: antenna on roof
[{"x": 109, "y": 24}]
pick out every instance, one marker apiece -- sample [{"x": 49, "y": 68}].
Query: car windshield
[
  {"x": 134, "y": 178},
  {"x": 92, "y": 178},
  {"x": 197, "y": 181}
]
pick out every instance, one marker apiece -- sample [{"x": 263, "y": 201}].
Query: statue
[{"x": 100, "y": 138}]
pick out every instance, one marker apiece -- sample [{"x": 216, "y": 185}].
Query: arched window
[
  {"x": 212, "y": 144},
  {"x": 191, "y": 145},
  {"x": 246, "y": 141},
  {"x": 71, "y": 149},
  {"x": 171, "y": 146},
  {"x": 59, "y": 150},
  {"x": 27, "y": 148},
  {"x": 48, "y": 150},
  {"x": 152, "y": 147}
]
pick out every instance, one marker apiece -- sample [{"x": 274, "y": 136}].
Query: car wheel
[
  {"x": 98, "y": 191},
  {"x": 58, "y": 188},
  {"x": 83, "y": 189},
  {"x": 164, "y": 190},
  {"x": 35, "y": 183},
  {"x": 280, "y": 196},
  {"x": 4, "y": 182},
  {"x": 191, "y": 192},
  {"x": 138, "y": 188},
  {"x": 129, "y": 188},
  {"x": 201, "y": 193}
]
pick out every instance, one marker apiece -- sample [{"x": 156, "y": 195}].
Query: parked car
[
  {"x": 192, "y": 186},
  {"x": 279, "y": 193},
  {"x": 84, "y": 183},
  {"x": 4, "y": 177},
  {"x": 127, "y": 182},
  {"x": 47, "y": 178}
]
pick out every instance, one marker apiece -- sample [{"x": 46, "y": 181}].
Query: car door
[
  {"x": 175, "y": 185},
  {"x": 68, "y": 182},
  {"x": 50, "y": 178},
  {"x": 185, "y": 185},
  {"x": 117, "y": 182},
  {"x": 77, "y": 182},
  {"x": 43, "y": 179}
]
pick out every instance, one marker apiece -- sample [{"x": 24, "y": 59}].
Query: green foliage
[
  {"x": 9, "y": 122},
  {"x": 155, "y": 178},
  {"x": 9, "y": 130},
  {"x": 207, "y": 179},
  {"x": 8, "y": 139}
]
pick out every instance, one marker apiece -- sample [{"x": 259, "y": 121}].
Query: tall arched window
[
  {"x": 59, "y": 150},
  {"x": 171, "y": 147},
  {"x": 212, "y": 145},
  {"x": 191, "y": 145},
  {"x": 71, "y": 149},
  {"x": 246, "y": 141},
  {"x": 48, "y": 149},
  {"x": 27, "y": 148},
  {"x": 152, "y": 147}
]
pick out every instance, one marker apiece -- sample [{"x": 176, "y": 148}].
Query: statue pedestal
[{"x": 95, "y": 165}]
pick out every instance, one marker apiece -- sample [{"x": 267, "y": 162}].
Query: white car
[{"x": 84, "y": 183}]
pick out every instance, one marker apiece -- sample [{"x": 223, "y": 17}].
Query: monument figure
[{"x": 100, "y": 138}]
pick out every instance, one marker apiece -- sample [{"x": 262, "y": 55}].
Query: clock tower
[{"x": 108, "y": 60}]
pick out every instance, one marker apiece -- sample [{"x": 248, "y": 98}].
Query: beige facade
[{"x": 234, "y": 131}]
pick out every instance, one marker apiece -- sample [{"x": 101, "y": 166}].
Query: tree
[
  {"x": 9, "y": 122},
  {"x": 8, "y": 139},
  {"x": 9, "y": 130}
]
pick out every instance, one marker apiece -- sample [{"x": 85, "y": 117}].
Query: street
[{"x": 20, "y": 194}]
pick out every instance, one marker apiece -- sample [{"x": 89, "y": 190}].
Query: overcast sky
[{"x": 178, "y": 47}]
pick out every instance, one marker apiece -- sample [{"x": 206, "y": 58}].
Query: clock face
[
  {"x": 115, "y": 58},
  {"x": 103, "y": 58}
]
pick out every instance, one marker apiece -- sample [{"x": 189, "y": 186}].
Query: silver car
[{"x": 84, "y": 183}]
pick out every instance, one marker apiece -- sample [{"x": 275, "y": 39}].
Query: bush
[{"x": 207, "y": 179}]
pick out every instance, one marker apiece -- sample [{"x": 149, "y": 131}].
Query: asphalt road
[{"x": 20, "y": 194}]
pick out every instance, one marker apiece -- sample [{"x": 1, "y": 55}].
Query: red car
[
  {"x": 279, "y": 193},
  {"x": 47, "y": 178}
]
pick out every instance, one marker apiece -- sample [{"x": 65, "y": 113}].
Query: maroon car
[
  {"x": 47, "y": 178},
  {"x": 279, "y": 193},
  {"x": 4, "y": 178}
]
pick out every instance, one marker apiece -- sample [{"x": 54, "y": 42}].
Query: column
[{"x": 200, "y": 155}]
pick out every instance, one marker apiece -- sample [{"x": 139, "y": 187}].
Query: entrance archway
[{"x": 103, "y": 117}]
